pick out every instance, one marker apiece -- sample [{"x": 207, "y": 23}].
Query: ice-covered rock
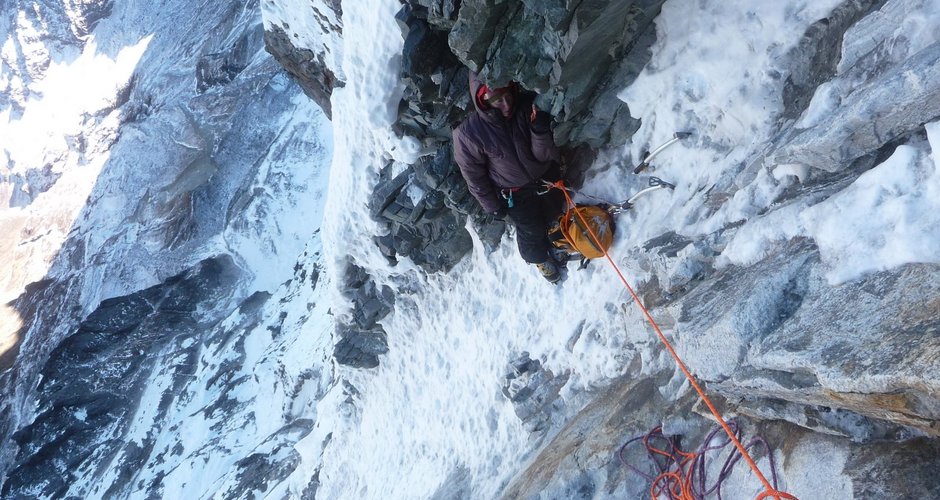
[
  {"x": 883, "y": 85},
  {"x": 307, "y": 42}
]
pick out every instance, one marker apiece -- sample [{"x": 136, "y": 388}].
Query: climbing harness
[
  {"x": 684, "y": 475},
  {"x": 770, "y": 491}
]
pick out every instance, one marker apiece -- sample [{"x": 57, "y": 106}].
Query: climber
[{"x": 505, "y": 149}]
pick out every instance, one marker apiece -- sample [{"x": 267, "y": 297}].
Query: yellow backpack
[{"x": 570, "y": 234}]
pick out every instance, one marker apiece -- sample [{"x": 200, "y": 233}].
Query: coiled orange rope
[{"x": 770, "y": 491}]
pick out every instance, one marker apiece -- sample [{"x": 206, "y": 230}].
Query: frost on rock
[
  {"x": 883, "y": 86},
  {"x": 533, "y": 391}
]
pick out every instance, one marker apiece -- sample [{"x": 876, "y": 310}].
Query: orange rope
[
  {"x": 678, "y": 483},
  {"x": 770, "y": 490}
]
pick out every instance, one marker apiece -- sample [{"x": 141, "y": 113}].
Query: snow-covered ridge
[{"x": 163, "y": 141}]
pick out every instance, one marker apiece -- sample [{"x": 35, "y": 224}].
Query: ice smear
[
  {"x": 717, "y": 72},
  {"x": 890, "y": 216},
  {"x": 825, "y": 101}
]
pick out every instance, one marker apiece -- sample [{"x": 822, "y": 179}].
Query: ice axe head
[{"x": 657, "y": 182}]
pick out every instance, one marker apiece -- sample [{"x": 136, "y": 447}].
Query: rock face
[
  {"x": 849, "y": 131},
  {"x": 580, "y": 49},
  {"x": 158, "y": 383},
  {"x": 780, "y": 342},
  {"x": 881, "y": 87},
  {"x": 866, "y": 377},
  {"x": 93, "y": 381},
  {"x": 311, "y": 66}
]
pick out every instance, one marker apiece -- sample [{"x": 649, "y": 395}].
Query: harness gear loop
[
  {"x": 770, "y": 491},
  {"x": 547, "y": 186},
  {"x": 507, "y": 195}
]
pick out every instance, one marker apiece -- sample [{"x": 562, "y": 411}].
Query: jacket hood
[{"x": 475, "y": 84}]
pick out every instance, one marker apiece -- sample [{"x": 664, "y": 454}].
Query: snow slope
[
  {"x": 431, "y": 417},
  {"x": 253, "y": 404}
]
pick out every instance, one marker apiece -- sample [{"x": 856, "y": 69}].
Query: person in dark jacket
[{"x": 505, "y": 149}]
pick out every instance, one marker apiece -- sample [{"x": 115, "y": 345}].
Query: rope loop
[{"x": 776, "y": 494}]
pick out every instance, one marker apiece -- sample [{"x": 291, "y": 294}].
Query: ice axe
[
  {"x": 655, "y": 184},
  {"x": 648, "y": 156}
]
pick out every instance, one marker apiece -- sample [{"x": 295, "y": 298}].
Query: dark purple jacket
[{"x": 497, "y": 153}]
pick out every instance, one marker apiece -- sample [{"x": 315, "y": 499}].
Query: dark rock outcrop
[
  {"x": 533, "y": 390},
  {"x": 425, "y": 208},
  {"x": 307, "y": 67},
  {"x": 577, "y": 55},
  {"x": 362, "y": 339},
  {"x": 94, "y": 380}
]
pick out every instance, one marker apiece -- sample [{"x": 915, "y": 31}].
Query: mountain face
[
  {"x": 243, "y": 263},
  {"x": 153, "y": 153}
]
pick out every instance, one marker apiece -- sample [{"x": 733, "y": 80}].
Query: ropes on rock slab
[
  {"x": 769, "y": 490},
  {"x": 682, "y": 475}
]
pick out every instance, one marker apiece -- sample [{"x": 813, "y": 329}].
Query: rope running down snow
[{"x": 770, "y": 491}]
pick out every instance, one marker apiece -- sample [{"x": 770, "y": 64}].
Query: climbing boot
[
  {"x": 550, "y": 271},
  {"x": 560, "y": 256}
]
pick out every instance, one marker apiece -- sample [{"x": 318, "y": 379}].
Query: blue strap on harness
[{"x": 507, "y": 195}]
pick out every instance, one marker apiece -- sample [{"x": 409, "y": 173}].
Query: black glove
[{"x": 541, "y": 122}]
